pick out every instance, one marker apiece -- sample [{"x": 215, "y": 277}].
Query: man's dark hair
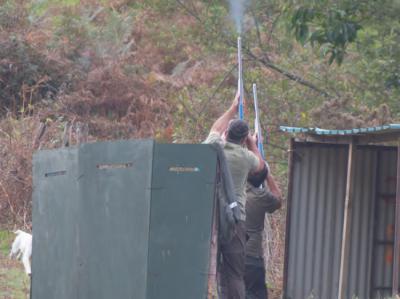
[
  {"x": 237, "y": 130},
  {"x": 257, "y": 178}
]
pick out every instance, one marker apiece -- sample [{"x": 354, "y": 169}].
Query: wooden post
[
  {"x": 344, "y": 257},
  {"x": 40, "y": 132},
  {"x": 288, "y": 213},
  {"x": 213, "y": 266},
  {"x": 396, "y": 249}
]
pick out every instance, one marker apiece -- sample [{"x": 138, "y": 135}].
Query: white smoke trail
[{"x": 237, "y": 12}]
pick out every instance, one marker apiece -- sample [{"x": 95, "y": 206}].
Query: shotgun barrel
[
  {"x": 240, "y": 78},
  {"x": 257, "y": 126}
]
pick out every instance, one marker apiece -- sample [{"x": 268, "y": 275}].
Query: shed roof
[{"x": 390, "y": 132}]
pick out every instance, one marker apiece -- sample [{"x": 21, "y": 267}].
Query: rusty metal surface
[{"x": 381, "y": 276}]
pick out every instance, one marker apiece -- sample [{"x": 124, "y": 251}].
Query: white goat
[{"x": 22, "y": 247}]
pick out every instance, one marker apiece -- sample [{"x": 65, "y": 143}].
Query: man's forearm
[
  {"x": 254, "y": 149},
  {"x": 273, "y": 187}
]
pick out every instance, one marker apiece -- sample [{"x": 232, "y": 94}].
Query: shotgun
[
  {"x": 240, "y": 78},
  {"x": 257, "y": 126}
]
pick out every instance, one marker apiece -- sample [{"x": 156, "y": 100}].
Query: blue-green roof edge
[{"x": 356, "y": 131}]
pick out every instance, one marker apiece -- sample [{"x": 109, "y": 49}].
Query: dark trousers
[
  {"x": 233, "y": 265},
  {"x": 255, "y": 278}
]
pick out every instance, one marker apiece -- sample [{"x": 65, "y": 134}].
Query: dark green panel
[
  {"x": 107, "y": 223},
  {"x": 115, "y": 219},
  {"x": 55, "y": 231},
  {"x": 180, "y": 223}
]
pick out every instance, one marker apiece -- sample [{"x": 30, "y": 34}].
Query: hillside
[{"x": 73, "y": 71}]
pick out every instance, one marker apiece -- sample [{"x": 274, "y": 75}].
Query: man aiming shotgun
[
  {"x": 243, "y": 157},
  {"x": 263, "y": 196},
  {"x": 259, "y": 202}
]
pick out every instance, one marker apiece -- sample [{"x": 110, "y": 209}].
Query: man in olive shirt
[
  {"x": 242, "y": 157},
  {"x": 259, "y": 201}
]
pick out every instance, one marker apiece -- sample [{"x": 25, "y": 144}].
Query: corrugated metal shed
[
  {"x": 316, "y": 243},
  {"x": 316, "y": 216}
]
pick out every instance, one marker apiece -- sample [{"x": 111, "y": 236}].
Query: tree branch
[
  {"x": 263, "y": 61},
  {"x": 227, "y": 74},
  {"x": 287, "y": 74}
]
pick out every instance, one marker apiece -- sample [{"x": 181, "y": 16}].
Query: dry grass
[{"x": 14, "y": 283}]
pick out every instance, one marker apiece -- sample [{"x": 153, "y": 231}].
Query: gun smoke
[{"x": 237, "y": 11}]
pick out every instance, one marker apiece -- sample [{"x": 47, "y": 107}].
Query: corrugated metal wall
[
  {"x": 362, "y": 223},
  {"x": 316, "y": 218},
  {"x": 384, "y": 224},
  {"x": 315, "y": 222}
]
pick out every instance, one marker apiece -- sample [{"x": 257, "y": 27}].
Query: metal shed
[
  {"x": 343, "y": 215},
  {"x": 124, "y": 219}
]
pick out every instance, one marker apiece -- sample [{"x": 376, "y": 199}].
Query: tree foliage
[{"x": 168, "y": 68}]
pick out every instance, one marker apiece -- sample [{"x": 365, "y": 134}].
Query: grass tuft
[{"x": 14, "y": 283}]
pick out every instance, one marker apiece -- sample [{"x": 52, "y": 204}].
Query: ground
[{"x": 14, "y": 283}]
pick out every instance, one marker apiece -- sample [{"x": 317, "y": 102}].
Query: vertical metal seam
[
  {"x": 364, "y": 175},
  {"x": 149, "y": 222},
  {"x": 315, "y": 223},
  {"x": 288, "y": 216},
  {"x": 331, "y": 226},
  {"x": 343, "y": 276},
  {"x": 338, "y": 227},
  {"x": 309, "y": 221},
  {"x": 369, "y": 219},
  {"x": 374, "y": 221},
  {"x": 396, "y": 247}
]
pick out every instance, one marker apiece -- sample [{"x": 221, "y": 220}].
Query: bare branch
[
  {"x": 190, "y": 12},
  {"x": 263, "y": 61},
  {"x": 287, "y": 74},
  {"x": 227, "y": 74}
]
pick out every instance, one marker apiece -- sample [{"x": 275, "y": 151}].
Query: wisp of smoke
[{"x": 237, "y": 11}]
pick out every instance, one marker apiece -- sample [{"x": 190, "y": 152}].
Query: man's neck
[{"x": 238, "y": 142}]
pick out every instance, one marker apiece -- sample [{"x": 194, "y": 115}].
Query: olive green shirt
[
  {"x": 240, "y": 161},
  {"x": 259, "y": 202}
]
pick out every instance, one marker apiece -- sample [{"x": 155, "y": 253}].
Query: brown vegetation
[
  {"x": 338, "y": 114},
  {"x": 44, "y": 91},
  {"x": 101, "y": 72}
]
